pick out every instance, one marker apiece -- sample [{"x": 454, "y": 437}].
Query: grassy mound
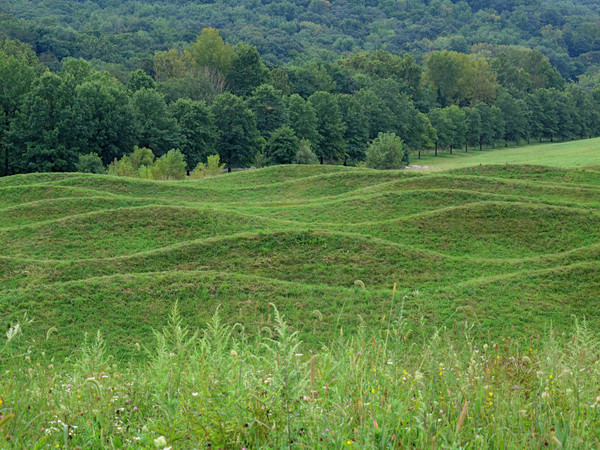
[
  {"x": 511, "y": 248},
  {"x": 493, "y": 230}
]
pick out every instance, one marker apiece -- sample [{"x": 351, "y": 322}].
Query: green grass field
[
  {"x": 584, "y": 153},
  {"x": 82, "y": 252},
  {"x": 494, "y": 255}
]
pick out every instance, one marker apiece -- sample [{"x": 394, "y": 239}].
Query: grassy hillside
[
  {"x": 582, "y": 153},
  {"x": 513, "y": 249}
]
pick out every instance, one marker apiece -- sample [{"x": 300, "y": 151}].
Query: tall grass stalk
[{"x": 373, "y": 389}]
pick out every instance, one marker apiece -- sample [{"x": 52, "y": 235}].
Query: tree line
[{"x": 212, "y": 98}]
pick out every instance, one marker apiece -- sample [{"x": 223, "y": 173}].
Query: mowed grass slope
[
  {"x": 514, "y": 249},
  {"x": 580, "y": 153}
]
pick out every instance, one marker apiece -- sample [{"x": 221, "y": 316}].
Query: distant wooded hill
[{"x": 123, "y": 35}]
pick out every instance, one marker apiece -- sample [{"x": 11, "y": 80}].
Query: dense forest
[
  {"x": 281, "y": 82},
  {"x": 124, "y": 34}
]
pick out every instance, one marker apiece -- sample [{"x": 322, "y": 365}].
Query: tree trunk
[
  {"x": 419, "y": 157},
  {"x": 480, "y": 145},
  {"x": 466, "y": 147},
  {"x": 436, "y": 146},
  {"x": 321, "y": 160},
  {"x": 450, "y": 149}
]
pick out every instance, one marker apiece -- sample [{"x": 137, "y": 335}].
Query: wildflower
[
  {"x": 491, "y": 394},
  {"x": 194, "y": 394},
  {"x": 349, "y": 443},
  {"x": 160, "y": 442},
  {"x": 550, "y": 377},
  {"x": 233, "y": 353}
]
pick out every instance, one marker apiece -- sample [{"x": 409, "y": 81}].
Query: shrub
[
  {"x": 305, "y": 155},
  {"x": 90, "y": 163},
  {"x": 212, "y": 167},
  {"x": 387, "y": 151},
  {"x": 261, "y": 160},
  {"x": 122, "y": 167},
  {"x": 142, "y": 156},
  {"x": 171, "y": 166},
  {"x": 282, "y": 146}
]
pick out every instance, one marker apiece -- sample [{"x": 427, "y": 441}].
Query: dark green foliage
[
  {"x": 198, "y": 131},
  {"x": 357, "y": 126},
  {"x": 195, "y": 87},
  {"x": 330, "y": 145},
  {"x": 353, "y": 96},
  {"x": 156, "y": 129},
  {"x": 247, "y": 70},
  {"x": 269, "y": 109},
  {"x": 515, "y": 118},
  {"x": 17, "y": 72},
  {"x": 128, "y": 33},
  {"x": 450, "y": 126},
  {"x": 473, "y": 127},
  {"x": 282, "y": 146},
  {"x": 108, "y": 117},
  {"x": 138, "y": 79},
  {"x": 47, "y": 135},
  {"x": 90, "y": 163},
  {"x": 302, "y": 118},
  {"x": 239, "y": 139}
]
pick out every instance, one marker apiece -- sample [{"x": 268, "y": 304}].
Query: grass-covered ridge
[{"x": 515, "y": 247}]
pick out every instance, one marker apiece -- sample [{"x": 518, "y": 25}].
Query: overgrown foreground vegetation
[
  {"x": 493, "y": 267},
  {"x": 377, "y": 389}
]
